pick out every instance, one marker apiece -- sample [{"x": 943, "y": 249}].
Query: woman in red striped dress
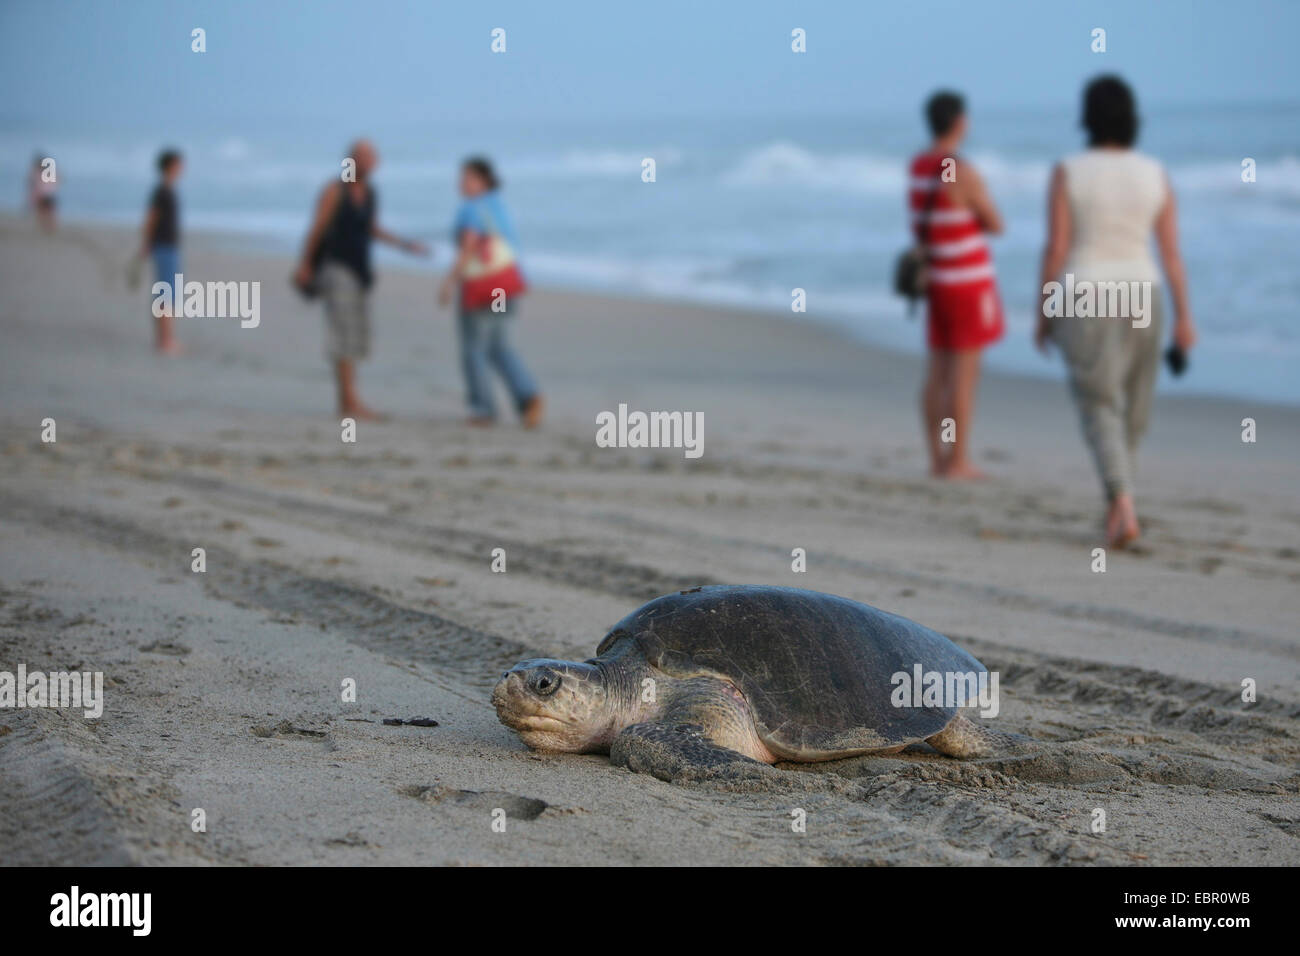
[{"x": 951, "y": 212}]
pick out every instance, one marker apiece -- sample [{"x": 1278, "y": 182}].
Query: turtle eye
[{"x": 545, "y": 681}]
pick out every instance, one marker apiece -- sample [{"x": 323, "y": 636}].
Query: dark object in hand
[
  {"x": 1176, "y": 359},
  {"x": 311, "y": 288},
  {"x": 308, "y": 291}
]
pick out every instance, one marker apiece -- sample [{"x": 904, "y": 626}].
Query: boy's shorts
[{"x": 166, "y": 262}]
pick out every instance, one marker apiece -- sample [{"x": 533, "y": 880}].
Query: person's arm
[
  {"x": 150, "y": 223},
  {"x": 325, "y": 207},
  {"x": 469, "y": 240},
  {"x": 407, "y": 245},
  {"x": 1171, "y": 259},
  {"x": 1055, "y": 251},
  {"x": 971, "y": 192}
]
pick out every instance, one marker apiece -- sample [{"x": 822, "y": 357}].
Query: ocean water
[{"x": 744, "y": 210}]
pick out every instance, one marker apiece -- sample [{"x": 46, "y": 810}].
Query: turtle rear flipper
[{"x": 965, "y": 738}]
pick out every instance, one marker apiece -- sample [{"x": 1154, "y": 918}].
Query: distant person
[
  {"x": 486, "y": 281},
  {"x": 336, "y": 262},
  {"x": 161, "y": 242},
  {"x": 951, "y": 211},
  {"x": 41, "y": 194},
  {"x": 1103, "y": 206}
]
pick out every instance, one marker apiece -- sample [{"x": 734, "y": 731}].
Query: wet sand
[{"x": 370, "y": 561}]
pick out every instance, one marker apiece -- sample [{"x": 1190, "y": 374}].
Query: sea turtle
[{"x": 716, "y": 675}]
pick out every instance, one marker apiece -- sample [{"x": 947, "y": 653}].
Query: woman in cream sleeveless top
[{"x": 1102, "y": 296}]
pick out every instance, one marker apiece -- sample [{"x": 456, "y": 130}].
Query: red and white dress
[{"x": 965, "y": 311}]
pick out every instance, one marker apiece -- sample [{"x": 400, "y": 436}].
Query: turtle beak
[
  {"x": 534, "y": 678},
  {"x": 517, "y": 703},
  {"x": 517, "y": 693},
  {"x": 506, "y": 687}
]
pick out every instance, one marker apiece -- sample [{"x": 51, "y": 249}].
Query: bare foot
[
  {"x": 362, "y": 413},
  {"x": 533, "y": 411},
  {"x": 170, "y": 349},
  {"x": 1121, "y": 522},
  {"x": 962, "y": 471}
]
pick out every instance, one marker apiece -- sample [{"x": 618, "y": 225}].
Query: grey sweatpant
[{"x": 1112, "y": 370}]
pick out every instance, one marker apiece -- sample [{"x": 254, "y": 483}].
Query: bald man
[{"x": 336, "y": 260}]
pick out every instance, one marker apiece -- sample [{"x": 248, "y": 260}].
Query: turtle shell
[{"x": 817, "y": 670}]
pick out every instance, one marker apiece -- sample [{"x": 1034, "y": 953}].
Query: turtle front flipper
[
  {"x": 667, "y": 751},
  {"x": 706, "y": 726}
]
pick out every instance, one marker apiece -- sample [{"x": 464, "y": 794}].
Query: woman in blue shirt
[{"x": 485, "y": 330}]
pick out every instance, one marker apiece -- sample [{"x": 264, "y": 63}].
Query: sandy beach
[{"x": 370, "y": 561}]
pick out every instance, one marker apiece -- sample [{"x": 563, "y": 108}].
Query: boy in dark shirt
[{"x": 161, "y": 241}]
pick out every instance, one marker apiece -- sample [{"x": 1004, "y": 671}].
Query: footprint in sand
[
  {"x": 515, "y": 806},
  {"x": 166, "y": 647}
]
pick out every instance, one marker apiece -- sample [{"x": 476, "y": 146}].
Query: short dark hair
[
  {"x": 942, "y": 110},
  {"x": 482, "y": 168},
  {"x": 167, "y": 158},
  {"x": 1110, "y": 112}
]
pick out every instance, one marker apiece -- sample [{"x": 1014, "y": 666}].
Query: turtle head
[{"x": 556, "y": 705}]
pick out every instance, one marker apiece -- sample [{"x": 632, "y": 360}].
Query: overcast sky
[{"x": 129, "y": 63}]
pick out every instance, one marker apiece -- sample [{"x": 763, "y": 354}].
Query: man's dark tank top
[{"x": 347, "y": 240}]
